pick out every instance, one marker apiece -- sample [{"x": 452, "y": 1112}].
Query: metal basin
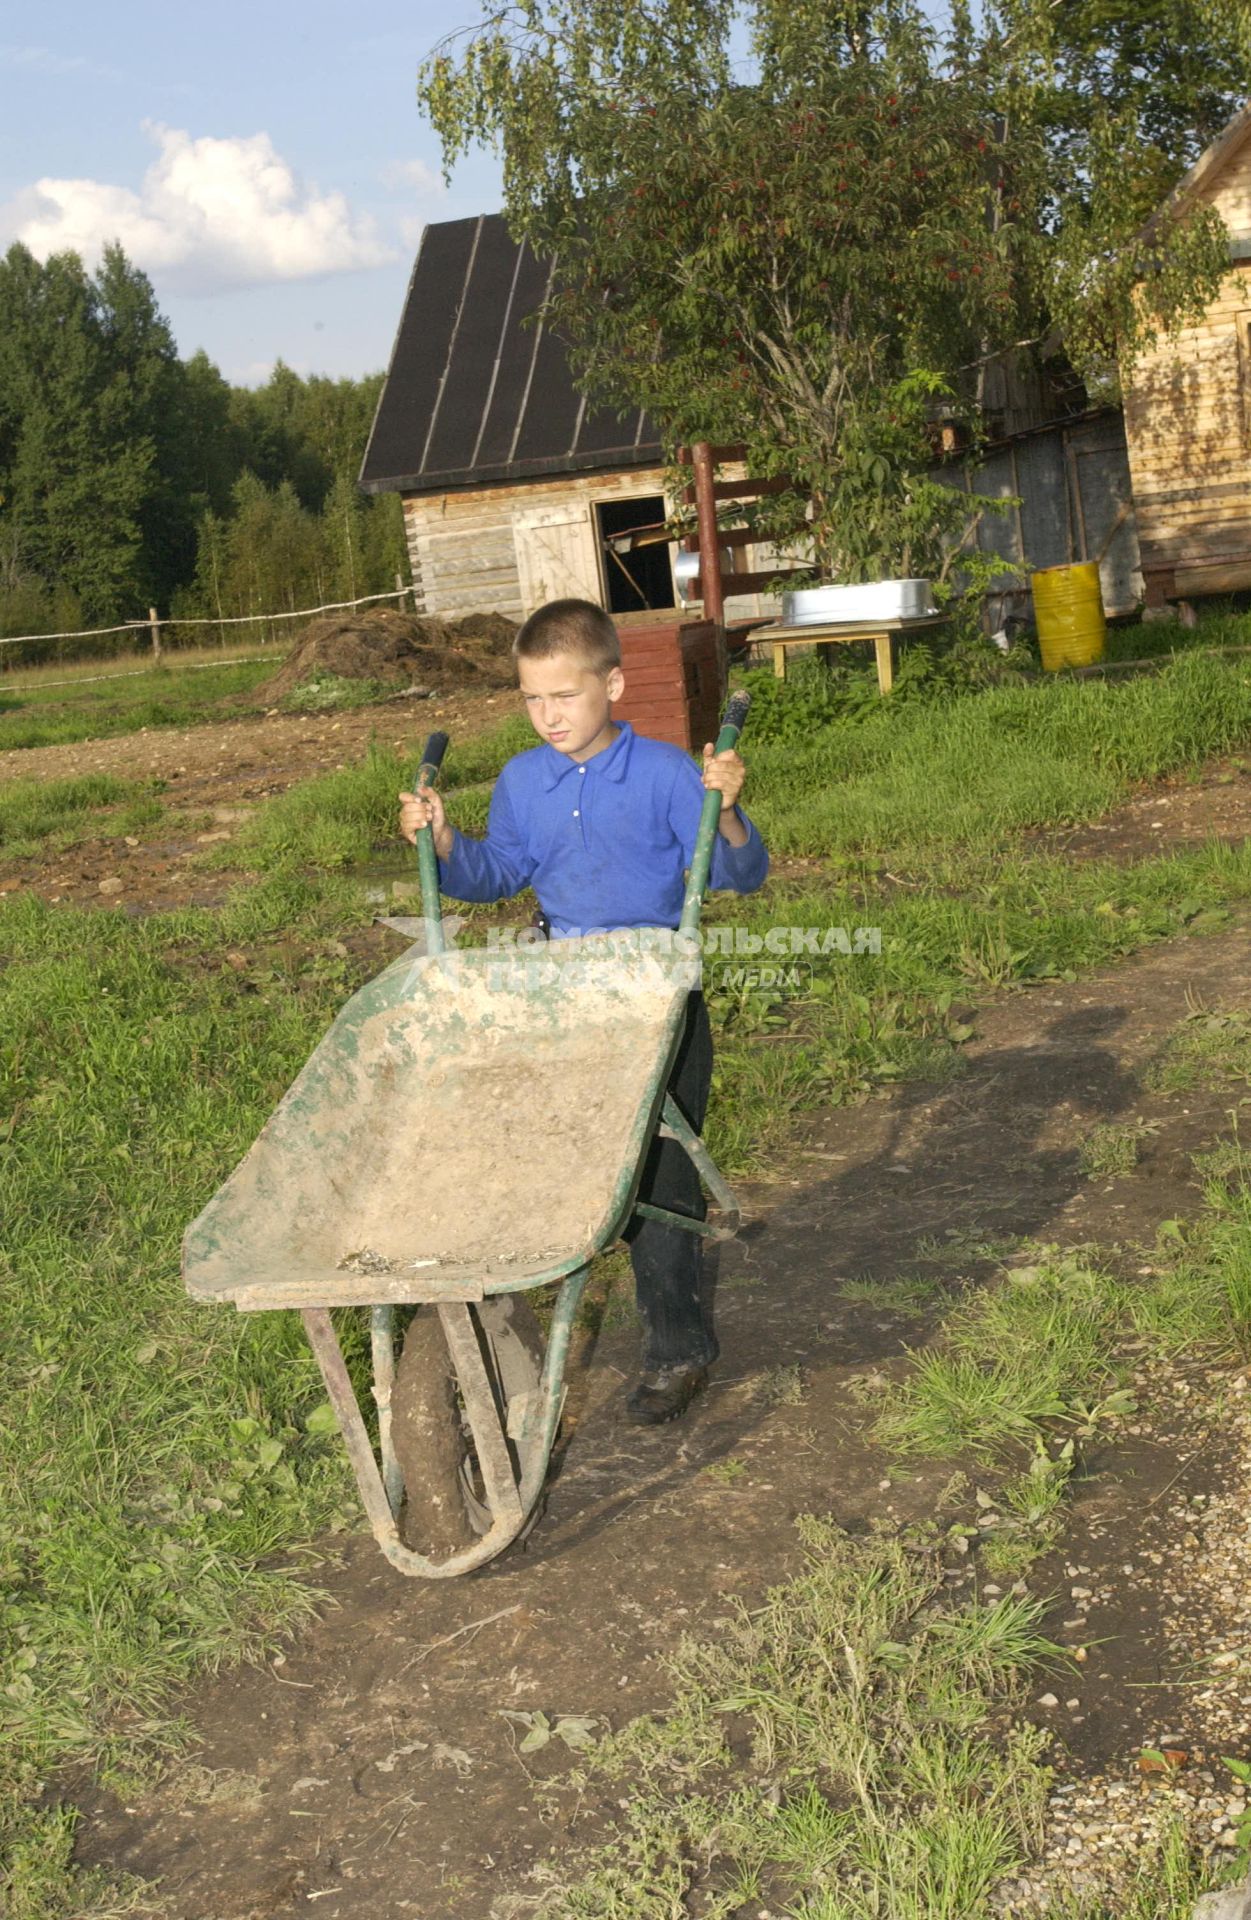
[{"x": 873, "y": 600}]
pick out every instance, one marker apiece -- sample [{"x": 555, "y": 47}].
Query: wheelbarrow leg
[
  {"x": 325, "y": 1344},
  {"x": 539, "y": 1428},
  {"x": 675, "y": 1126},
  {"x": 483, "y": 1416},
  {"x": 382, "y": 1344}
]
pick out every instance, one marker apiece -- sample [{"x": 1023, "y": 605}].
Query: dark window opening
[{"x": 636, "y": 578}]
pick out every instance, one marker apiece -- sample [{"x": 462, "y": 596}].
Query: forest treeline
[{"x": 131, "y": 478}]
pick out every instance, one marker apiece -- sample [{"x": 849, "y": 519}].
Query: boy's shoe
[{"x": 664, "y": 1395}]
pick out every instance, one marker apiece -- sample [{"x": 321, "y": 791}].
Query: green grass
[
  {"x": 1041, "y": 1350},
  {"x": 339, "y": 819},
  {"x": 42, "y": 819},
  {"x": 40, "y": 1881},
  {"x": 38, "y": 714},
  {"x": 156, "y": 1457},
  {"x": 1202, "y": 1293},
  {"x": 1034, "y": 1348},
  {"x": 1113, "y": 1147},
  {"x": 1208, "y": 1046},
  {"x": 831, "y": 1756},
  {"x": 898, "y": 785},
  {"x": 32, "y": 812},
  {"x": 1219, "y": 625}
]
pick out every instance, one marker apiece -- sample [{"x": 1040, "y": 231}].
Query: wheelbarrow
[{"x": 472, "y": 1128}]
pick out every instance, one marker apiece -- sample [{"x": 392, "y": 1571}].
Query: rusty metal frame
[{"x": 512, "y": 1500}]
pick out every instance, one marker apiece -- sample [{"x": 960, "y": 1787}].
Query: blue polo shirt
[{"x": 604, "y": 842}]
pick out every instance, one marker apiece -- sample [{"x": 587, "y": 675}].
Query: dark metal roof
[{"x": 473, "y": 393}]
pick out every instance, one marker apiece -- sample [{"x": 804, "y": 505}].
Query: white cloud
[
  {"x": 209, "y": 215},
  {"x": 40, "y": 60},
  {"x": 414, "y": 175}
]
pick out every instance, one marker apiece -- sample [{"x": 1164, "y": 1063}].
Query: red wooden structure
[
  {"x": 675, "y": 678},
  {"x": 710, "y": 584},
  {"x": 675, "y": 670}
]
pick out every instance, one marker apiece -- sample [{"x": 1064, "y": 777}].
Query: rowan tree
[{"x": 808, "y": 226}]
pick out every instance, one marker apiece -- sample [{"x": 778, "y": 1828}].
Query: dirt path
[
  {"x": 259, "y": 753},
  {"x": 1202, "y": 803},
  {"x": 373, "y": 1771},
  {"x": 214, "y": 775}
]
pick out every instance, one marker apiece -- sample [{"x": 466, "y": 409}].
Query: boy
[{"x": 601, "y": 822}]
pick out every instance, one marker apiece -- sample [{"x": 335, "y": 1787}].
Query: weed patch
[
  {"x": 1206, "y": 1047},
  {"x": 39, "y": 1880},
  {"x": 831, "y": 1755},
  {"x": 32, "y": 812},
  {"x": 35, "y": 714},
  {"x": 157, "y": 1456},
  {"x": 1038, "y": 1347},
  {"x": 333, "y": 694},
  {"x": 904, "y": 1293},
  {"x": 1111, "y": 1148}
]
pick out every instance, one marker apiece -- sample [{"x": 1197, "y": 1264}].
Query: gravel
[{"x": 1197, "y": 1576}]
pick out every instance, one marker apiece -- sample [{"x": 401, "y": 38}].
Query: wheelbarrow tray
[{"x": 473, "y": 1123}]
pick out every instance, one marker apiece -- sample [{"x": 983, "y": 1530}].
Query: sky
[{"x": 266, "y": 164}]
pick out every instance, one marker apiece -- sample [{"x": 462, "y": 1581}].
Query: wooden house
[
  {"x": 1188, "y": 409},
  {"x": 515, "y": 491}
]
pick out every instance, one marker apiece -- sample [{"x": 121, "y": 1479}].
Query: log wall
[
  {"x": 507, "y": 549},
  {"x": 1188, "y": 428}
]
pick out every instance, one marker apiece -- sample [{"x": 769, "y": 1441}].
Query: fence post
[
  {"x": 155, "y": 628},
  {"x": 402, "y": 590}
]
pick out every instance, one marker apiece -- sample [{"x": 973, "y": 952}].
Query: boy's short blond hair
[{"x": 576, "y": 627}]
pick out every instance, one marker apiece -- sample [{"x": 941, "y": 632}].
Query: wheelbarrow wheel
[{"x": 445, "y": 1508}]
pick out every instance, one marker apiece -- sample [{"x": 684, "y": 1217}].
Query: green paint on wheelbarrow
[{"x": 467, "y": 1113}]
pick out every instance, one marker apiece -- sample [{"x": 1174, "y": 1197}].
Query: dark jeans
[{"x": 667, "y": 1261}]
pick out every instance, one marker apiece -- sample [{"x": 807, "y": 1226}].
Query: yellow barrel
[{"x": 1068, "y": 607}]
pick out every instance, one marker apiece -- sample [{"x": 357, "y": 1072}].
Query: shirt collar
[{"x": 611, "y": 764}]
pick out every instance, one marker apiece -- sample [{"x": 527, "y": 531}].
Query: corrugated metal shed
[
  {"x": 477, "y": 391},
  {"x": 1072, "y": 482}
]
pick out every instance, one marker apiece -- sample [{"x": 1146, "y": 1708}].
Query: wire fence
[{"x": 153, "y": 625}]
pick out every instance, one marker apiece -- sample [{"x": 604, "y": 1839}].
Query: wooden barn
[
  {"x": 1188, "y": 410},
  {"x": 515, "y": 491}
]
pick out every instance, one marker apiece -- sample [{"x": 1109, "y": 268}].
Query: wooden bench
[{"x": 883, "y": 634}]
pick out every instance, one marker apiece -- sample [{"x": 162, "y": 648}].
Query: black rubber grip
[
  {"x": 433, "y": 751},
  {"x": 736, "y": 711}
]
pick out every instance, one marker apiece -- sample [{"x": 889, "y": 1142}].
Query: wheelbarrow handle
[
  {"x": 431, "y": 760},
  {"x": 701, "y": 861},
  {"x": 427, "y": 866}
]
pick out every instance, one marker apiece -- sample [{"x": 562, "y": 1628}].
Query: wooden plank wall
[
  {"x": 463, "y": 546},
  {"x": 1188, "y": 427}
]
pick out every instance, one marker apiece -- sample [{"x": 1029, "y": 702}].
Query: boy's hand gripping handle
[
  {"x": 701, "y": 862},
  {"x": 427, "y": 865}
]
